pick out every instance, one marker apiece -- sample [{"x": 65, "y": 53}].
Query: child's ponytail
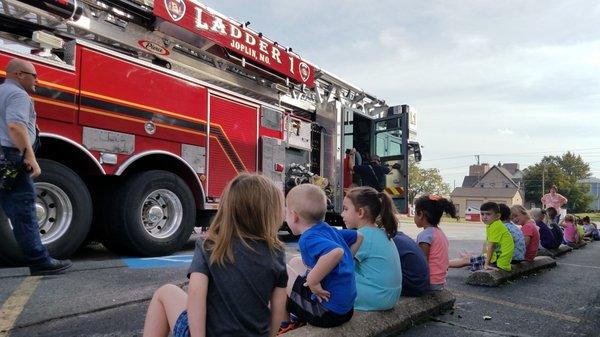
[
  {"x": 433, "y": 207},
  {"x": 378, "y": 207},
  {"x": 389, "y": 222},
  {"x": 449, "y": 208}
]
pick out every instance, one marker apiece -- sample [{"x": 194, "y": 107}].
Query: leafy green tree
[
  {"x": 425, "y": 181},
  {"x": 564, "y": 172},
  {"x": 570, "y": 164}
]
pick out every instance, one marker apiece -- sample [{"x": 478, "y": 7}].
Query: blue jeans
[
  {"x": 182, "y": 327},
  {"x": 19, "y": 206}
]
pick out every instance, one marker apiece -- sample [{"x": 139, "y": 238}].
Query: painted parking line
[
  {"x": 523, "y": 307},
  {"x": 14, "y": 305},
  {"x": 171, "y": 261}
]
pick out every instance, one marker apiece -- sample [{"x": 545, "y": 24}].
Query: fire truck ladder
[{"x": 119, "y": 25}]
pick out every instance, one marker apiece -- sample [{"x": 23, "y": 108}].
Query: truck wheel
[
  {"x": 152, "y": 214},
  {"x": 64, "y": 212}
]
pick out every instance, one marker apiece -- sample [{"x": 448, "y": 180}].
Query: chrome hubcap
[
  {"x": 155, "y": 214},
  {"x": 161, "y": 213},
  {"x": 54, "y": 211}
]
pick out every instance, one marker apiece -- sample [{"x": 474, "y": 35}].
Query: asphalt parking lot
[{"x": 107, "y": 295}]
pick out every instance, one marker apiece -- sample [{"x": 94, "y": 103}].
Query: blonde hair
[
  {"x": 518, "y": 209},
  {"x": 251, "y": 208},
  {"x": 309, "y": 201},
  {"x": 570, "y": 218}
]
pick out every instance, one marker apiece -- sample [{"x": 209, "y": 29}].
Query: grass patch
[{"x": 593, "y": 216}]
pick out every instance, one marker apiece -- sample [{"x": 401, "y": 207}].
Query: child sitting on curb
[
  {"x": 591, "y": 230},
  {"x": 551, "y": 214},
  {"x": 321, "y": 285},
  {"x": 580, "y": 229},
  {"x": 530, "y": 230},
  {"x": 432, "y": 240},
  {"x": 241, "y": 255},
  {"x": 415, "y": 271},
  {"x": 515, "y": 232},
  {"x": 547, "y": 239},
  {"x": 377, "y": 265},
  {"x": 571, "y": 236},
  {"x": 499, "y": 245}
]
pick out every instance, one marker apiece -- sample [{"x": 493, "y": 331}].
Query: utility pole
[
  {"x": 597, "y": 196},
  {"x": 477, "y": 156},
  {"x": 543, "y": 180}
]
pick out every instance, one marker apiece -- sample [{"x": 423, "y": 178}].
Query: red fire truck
[{"x": 148, "y": 108}]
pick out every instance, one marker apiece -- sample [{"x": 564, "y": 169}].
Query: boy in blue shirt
[{"x": 321, "y": 285}]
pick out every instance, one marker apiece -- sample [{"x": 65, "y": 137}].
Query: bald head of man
[{"x": 23, "y": 72}]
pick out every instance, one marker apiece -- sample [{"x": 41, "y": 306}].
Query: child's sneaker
[{"x": 291, "y": 324}]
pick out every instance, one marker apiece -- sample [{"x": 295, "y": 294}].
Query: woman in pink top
[
  {"x": 432, "y": 240},
  {"x": 570, "y": 235},
  {"x": 531, "y": 232},
  {"x": 553, "y": 199}
]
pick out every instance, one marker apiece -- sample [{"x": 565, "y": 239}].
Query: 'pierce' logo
[
  {"x": 175, "y": 8},
  {"x": 304, "y": 71}
]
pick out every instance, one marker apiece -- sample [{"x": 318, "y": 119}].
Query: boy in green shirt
[{"x": 499, "y": 245}]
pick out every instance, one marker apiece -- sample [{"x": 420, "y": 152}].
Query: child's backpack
[{"x": 558, "y": 234}]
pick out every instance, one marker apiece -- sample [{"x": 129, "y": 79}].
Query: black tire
[
  {"x": 125, "y": 227},
  {"x": 63, "y": 181},
  {"x": 5, "y": 234}
]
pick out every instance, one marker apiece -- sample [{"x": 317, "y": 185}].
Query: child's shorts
[
  {"x": 477, "y": 263},
  {"x": 303, "y": 304},
  {"x": 182, "y": 328}
]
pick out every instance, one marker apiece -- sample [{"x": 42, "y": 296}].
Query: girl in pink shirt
[
  {"x": 531, "y": 231},
  {"x": 432, "y": 240},
  {"x": 570, "y": 235}
]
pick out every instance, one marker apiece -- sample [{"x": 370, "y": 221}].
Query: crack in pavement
[
  {"x": 493, "y": 332},
  {"x": 96, "y": 310}
]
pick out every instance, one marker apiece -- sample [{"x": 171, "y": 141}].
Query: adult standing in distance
[
  {"x": 553, "y": 199},
  {"x": 17, "y": 138}
]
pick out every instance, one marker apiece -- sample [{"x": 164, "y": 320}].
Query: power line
[
  {"x": 512, "y": 154},
  {"x": 447, "y": 158}
]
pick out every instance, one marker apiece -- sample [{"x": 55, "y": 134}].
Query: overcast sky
[{"x": 509, "y": 80}]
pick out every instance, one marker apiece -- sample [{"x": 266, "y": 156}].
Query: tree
[
  {"x": 564, "y": 172},
  {"x": 427, "y": 181},
  {"x": 571, "y": 165}
]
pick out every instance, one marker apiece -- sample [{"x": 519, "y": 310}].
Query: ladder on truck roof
[{"x": 120, "y": 24}]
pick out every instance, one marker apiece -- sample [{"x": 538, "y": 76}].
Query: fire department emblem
[
  {"x": 175, "y": 8},
  {"x": 304, "y": 71}
]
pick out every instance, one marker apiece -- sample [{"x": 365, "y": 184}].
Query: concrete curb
[
  {"x": 408, "y": 312},
  {"x": 563, "y": 249},
  {"x": 496, "y": 277}
]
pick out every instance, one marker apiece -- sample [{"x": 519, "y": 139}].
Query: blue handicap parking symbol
[{"x": 171, "y": 261}]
